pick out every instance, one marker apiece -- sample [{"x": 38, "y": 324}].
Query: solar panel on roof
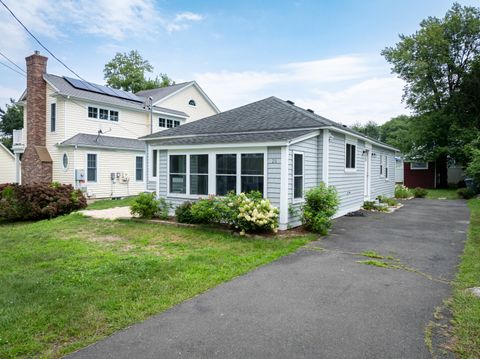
[{"x": 104, "y": 90}]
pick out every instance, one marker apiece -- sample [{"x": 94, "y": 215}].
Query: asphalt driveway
[{"x": 318, "y": 302}]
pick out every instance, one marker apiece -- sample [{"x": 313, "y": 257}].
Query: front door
[{"x": 366, "y": 182}]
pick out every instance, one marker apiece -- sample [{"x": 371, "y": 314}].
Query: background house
[
  {"x": 7, "y": 165},
  {"x": 86, "y": 134},
  {"x": 424, "y": 174},
  {"x": 276, "y": 148}
]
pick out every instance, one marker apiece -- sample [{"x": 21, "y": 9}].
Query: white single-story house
[
  {"x": 7, "y": 165},
  {"x": 276, "y": 148}
]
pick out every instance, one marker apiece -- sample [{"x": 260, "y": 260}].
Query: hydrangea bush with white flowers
[
  {"x": 402, "y": 191},
  {"x": 252, "y": 213}
]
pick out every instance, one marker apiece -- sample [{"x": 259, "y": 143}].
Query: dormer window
[{"x": 192, "y": 103}]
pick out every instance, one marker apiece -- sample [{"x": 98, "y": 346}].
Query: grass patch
[
  {"x": 372, "y": 254},
  {"x": 466, "y": 307},
  {"x": 448, "y": 193},
  {"x": 70, "y": 281},
  {"x": 375, "y": 263},
  {"x": 111, "y": 203}
]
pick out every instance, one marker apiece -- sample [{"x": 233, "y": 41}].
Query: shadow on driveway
[{"x": 318, "y": 303}]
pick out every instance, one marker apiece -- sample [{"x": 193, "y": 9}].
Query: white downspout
[
  {"x": 283, "y": 223},
  {"x": 325, "y": 155}
]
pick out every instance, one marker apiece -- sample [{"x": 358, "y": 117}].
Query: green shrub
[
  {"x": 208, "y": 210},
  {"x": 183, "y": 213},
  {"x": 466, "y": 193},
  {"x": 147, "y": 206},
  {"x": 389, "y": 201},
  {"x": 369, "y": 205},
  {"x": 419, "y": 192},
  {"x": 402, "y": 191},
  {"x": 321, "y": 203},
  {"x": 38, "y": 201},
  {"x": 473, "y": 168}
]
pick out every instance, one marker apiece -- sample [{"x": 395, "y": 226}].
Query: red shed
[{"x": 419, "y": 174}]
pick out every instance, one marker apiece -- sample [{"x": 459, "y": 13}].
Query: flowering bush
[
  {"x": 401, "y": 191},
  {"x": 251, "y": 213},
  {"x": 38, "y": 201}
]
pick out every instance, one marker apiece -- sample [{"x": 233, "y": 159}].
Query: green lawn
[
  {"x": 111, "y": 203},
  {"x": 466, "y": 307},
  {"x": 449, "y": 193},
  {"x": 71, "y": 281}
]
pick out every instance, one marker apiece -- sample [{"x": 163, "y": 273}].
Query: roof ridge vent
[
  {"x": 290, "y": 102},
  {"x": 310, "y": 110}
]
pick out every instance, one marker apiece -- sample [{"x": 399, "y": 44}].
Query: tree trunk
[{"x": 442, "y": 172}]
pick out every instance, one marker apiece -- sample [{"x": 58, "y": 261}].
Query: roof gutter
[{"x": 101, "y": 147}]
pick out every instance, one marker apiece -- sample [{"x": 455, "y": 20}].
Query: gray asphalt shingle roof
[
  {"x": 87, "y": 140},
  {"x": 272, "y": 114},
  {"x": 280, "y": 136},
  {"x": 65, "y": 88},
  {"x": 158, "y": 94}
]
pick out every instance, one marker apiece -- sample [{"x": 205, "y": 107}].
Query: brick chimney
[{"x": 36, "y": 161}]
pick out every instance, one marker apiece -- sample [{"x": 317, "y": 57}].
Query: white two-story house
[{"x": 84, "y": 134}]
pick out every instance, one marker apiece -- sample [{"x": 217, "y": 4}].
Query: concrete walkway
[
  {"x": 318, "y": 303},
  {"x": 109, "y": 213}
]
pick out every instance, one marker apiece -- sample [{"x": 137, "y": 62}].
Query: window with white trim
[
  {"x": 199, "y": 174},
  {"x": 192, "y": 103},
  {"x": 139, "y": 168},
  {"x": 178, "y": 174},
  {"x": 176, "y": 123},
  {"x": 252, "y": 172},
  {"x": 162, "y": 122},
  {"x": 350, "y": 156},
  {"x": 381, "y": 165},
  {"x": 154, "y": 163},
  {"x": 297, "y": 175},
  {"x": 226, "y": 179},
  {"x": 53, "y": 117},
  {"x": 65, "y": 161},
  {"x": 419, "y": 165},
  {"x": 169, "y": 123},
  {"x": 385, "y": 164},
  {"x": 91, "y": 167},
  {"x": 102, "y": 114}
]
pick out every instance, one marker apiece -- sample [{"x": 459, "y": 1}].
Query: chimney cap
[
  {"x": 290, "y": 102},
  {"x": 310, "y": 110},
  {"x": 36, "y": 52}
]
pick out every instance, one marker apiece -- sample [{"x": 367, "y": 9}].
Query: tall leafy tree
[
  {"x": 396, "y": 133},
  {"x": 11, "y": 118},
  {"x": 371, "y": 129},
  {"x": 127, "y": 71},
  {"x": 434, "y": 62}
]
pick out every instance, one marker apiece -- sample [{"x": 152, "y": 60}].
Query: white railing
[{"x": 18, "y": 138}]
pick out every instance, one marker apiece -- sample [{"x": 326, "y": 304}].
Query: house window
[
  {"x": 176, "y": 123},
  {"x": 92, "y": 112},
  {"x": 252, "y": 172},
  {"x": 65, "y": 161},
  {"x": 350, "y": 153},
  {"x": 139, "y": 168},
  {"x": 386, "y": 166},
  {"x": 192, "y": 103},
  {"x": 169, "y": 123},
  {"x": 198, "y": 174},
  {"x": 161, "y": 122},
  {"x": 297, "y": 175},
  {"x": 178, "y": 173},
  {"x": 91, "y": 167},
  {"x": 114, "y": 116},
  {"x": 154, "y": 163},
  {"x": 103, "y": 114},
  {"x": 53, "y": 117},
  {"x": 381, "y": 165},
  {"x": 419, "y": 165},
  {"x": 226, "y": 174}
]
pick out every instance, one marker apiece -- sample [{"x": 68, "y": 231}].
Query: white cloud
[
  {"x": 112, "y": 19},
  {"x": 347, "y": 89},
  {"x": 182, "y": 21}
]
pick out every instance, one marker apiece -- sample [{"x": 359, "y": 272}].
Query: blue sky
[{"x": 323, "y": 55}]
